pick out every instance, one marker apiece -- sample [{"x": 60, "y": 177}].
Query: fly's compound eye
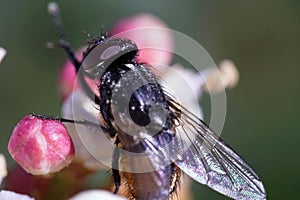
[{"x": 109, "y": 51}]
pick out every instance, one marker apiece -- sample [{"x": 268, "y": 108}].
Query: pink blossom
[
  {"x": 152, "y": 36},
  {"x": 67, "y": 81}
]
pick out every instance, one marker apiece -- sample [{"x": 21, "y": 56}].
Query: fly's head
[{"x": 107, "y": 51}]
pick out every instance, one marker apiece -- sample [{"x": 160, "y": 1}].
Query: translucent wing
[{"x": 208, "y": 160}]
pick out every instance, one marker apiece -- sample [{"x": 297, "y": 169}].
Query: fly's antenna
[{"x": 54, "y": 12}]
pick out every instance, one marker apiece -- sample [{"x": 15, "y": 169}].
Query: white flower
[
  {"x": 187, "y": 86},
  {"x": 184, "y": 85},
  {"x": 2, "y": 53},
  {"x": 226, "y": 77},
  {"x": 9, "y": 195},
  {"x": 3, "y": 168},
  {"x": 96, "y": 195}
]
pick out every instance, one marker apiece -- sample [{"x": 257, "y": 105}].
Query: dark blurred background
[{"x": 261, "y": 37}]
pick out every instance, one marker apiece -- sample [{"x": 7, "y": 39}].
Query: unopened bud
[{"x": 41, "y": 146}]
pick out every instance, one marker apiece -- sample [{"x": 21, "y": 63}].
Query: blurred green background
[{"x": 261, "y": 37}]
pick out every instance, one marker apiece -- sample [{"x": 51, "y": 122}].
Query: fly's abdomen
[{"x": 149, "y": 185}]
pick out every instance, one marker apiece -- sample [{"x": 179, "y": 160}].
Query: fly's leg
[
  {"x": 110, "y": 133},
  {"x": 115, "y": 167},
  {"x": 63, "y": 43},
  {"x": 54, "y": 12}
]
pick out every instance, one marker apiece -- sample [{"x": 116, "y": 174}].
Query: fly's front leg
[
  {"x": 54, "y": 12},
  {"x": 63, "y": 43}
]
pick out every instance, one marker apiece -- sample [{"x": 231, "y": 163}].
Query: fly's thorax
[{"x": 132, "y": 100}]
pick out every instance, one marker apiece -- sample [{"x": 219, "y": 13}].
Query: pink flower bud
[
  {"x": 67, "y": 77},
  {"x": 41, "y": 146},
  {"x": 152, "y": 36}
]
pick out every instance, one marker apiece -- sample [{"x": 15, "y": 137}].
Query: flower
[
  {"x": 67, "y": 80},
  {"x": 67, "y": 77},
  {"x": 2, "y": 53},
  {"x": 96, "y": 195},
  {"x": 3, "y": 170},
  {"x": 41, "y": 146},
  {"x": 226, "y": 77},
  {"x": 152, "y": 36},
  {"x": 9, "y": 195}
]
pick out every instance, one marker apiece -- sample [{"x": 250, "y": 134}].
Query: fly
[{"x": 141, "y": 118}]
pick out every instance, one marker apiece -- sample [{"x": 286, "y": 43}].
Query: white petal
[
  {"x": 185, "y": 85},
  {"x": 216, "y": 80},
  {"x": 3, "y": 168},
  {"x": 9, "y": 195},
  {"x": 96, "y": 195},
  {"x": 2, "y": 53}
]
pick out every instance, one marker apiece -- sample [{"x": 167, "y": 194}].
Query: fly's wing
[{"x": 208, "y": 160}]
